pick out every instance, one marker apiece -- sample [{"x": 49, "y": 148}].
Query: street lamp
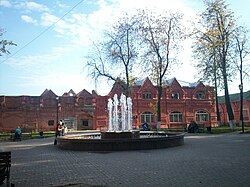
[
  {"x": 241, "y": 107},
  {"x": 57, "y": 109}
]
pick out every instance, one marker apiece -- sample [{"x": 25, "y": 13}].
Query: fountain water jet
[{"x": 120, "y": 120}]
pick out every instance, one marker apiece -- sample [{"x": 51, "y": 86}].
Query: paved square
[{"x": 203, "y": 160}]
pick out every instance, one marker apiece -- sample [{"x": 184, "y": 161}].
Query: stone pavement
[{"x": 203, "y": 160}]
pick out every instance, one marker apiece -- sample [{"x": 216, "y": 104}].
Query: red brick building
[
  {"x": 40, "y": 113},
  {"x": 181, "y": 103},
  {"x": 235, "y": 103}
]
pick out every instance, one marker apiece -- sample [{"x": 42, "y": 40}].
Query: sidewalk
[{"x": 203, "y": 160}]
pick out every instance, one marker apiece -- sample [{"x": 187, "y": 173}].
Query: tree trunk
[
  {"x": 241, "y": 91},
  {"x": 241, "y": 108},
  {"x": 217, "y": 103},
  {"x": 159, "y": 107},
  {"x": 228, "y": 106},
  {"x": 217, "y": 108}
]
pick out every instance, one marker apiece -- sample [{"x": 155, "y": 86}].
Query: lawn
[{"x": 7, "y": 136}]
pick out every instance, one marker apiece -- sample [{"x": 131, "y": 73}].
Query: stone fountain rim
[{"x": 96, "y": 145}]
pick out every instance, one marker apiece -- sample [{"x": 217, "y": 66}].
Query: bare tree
[
  {"x": 242, "y": 50},
  {"x": 114, "y": 57},
  {"x": 4, "y": 43},
  {"x": 160, "y": 35}
]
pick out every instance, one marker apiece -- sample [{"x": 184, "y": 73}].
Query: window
[
  {"x": 245, "y": 115},
  {"x": 175, "y": 117},
  {"x": 200, "y": 95},
  {"x": 147, "y": 117},
  {"x": 84, "y": 122},
  {"x": 50, "y": 122},
  {"x": 175, "y": 96},
  {"x": 201, "y": 116},
  {"x": 147, "y": 95},
  {"x": 88, "y": 101}
]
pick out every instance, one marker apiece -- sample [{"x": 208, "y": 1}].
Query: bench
[
  {"x": 201, "y": 128},
  {"x": 196, "y": 128},
  {"x": 5, "y": 164},
  {"x": 181, "y": 127}
]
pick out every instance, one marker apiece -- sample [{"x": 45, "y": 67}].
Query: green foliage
[
  {"x": 215, "y": 44},
  {"x": 213, "y": 48}
]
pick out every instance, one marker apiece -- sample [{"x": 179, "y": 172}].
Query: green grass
[
  {"x": 226, "y": 129},
  {"x": 214, "y": 130},
  {"x": 6, "y": 136}
]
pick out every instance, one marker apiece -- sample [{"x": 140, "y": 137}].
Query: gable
[
  {"x": 175, "y": 86},
  {"x": 200, "y": 88},
  {"x": 48, "y": 94},
  {"x": 147, "y": 86},
  {"x": 84, "y": 93},
  {"x": 117, "y": 88}
]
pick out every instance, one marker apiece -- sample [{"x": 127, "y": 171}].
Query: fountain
[
  {"x": 120, "y": 119},
  {"x": 119, "y": 135}
]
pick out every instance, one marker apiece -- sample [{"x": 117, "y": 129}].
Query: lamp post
[
  {"x": 241, "y": 107},
  {"x": 57, "y": 110}
]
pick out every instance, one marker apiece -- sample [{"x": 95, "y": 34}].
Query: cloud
[
  {"x": 5, "y": 3},
  {"x": 60, "y": 5},
  {"x": 77, "y": 30},
  {"x": 56, "y": 80},
  {"x": 28, "y": 19},
  {"x": 33, "y": 6},
  {"x": 43, "y": 61}
]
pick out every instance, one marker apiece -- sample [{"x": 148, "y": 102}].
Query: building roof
[
  {"x": 169, "y": 82},
  {"x": 235, "y": 97}
]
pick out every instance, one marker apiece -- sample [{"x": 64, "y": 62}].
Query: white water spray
[{"x": 120, "y": 113}]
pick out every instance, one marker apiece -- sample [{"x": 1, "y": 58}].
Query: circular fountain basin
[
  {"x": 120, "y": 134},
  {"x": 94, "y": 142}
]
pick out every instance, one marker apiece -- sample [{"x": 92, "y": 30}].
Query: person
[
  {"x": 145, "y": 127},
  {"x": 18, "y": 133},
  {"x": 58, "y": 129},
  {"x": 57, "y": 133},
  {"x": 62, "y": 127},
  {"x": 65, "y": 130},
  {"x": 193, "y": 127}
]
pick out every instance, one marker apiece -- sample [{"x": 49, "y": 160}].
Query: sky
[{"x": 54, "y": 37}]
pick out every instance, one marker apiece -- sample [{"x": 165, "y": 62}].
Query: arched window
[
  {"x": 146, "y": 95},
  {"x": 200, "y": 95},
  {"x": 147, "y": 117},
  {"x": 175, "y": 117},
  {"x": 201, "y": 116}
]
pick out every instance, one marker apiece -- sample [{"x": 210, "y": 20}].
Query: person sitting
[
  {"x": 145, "y": 127},
  {"x": 18, "y": 133}
]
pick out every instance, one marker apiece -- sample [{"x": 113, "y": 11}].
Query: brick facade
[
  {"x": 181, "y": 103},
  {"x": 235, "y": 103},
  {"x": 35, "y": 112}
]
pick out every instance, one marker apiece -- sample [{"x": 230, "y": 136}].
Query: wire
[{"x": 40, "y": 34}]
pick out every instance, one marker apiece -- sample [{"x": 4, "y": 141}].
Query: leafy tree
[
  {"x": 220, "y": 28},
  {"x": 206, "y": 54},
  {"x": 160, "y": 35}
]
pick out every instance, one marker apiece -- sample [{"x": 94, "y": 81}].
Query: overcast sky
[{"x": 50, "y": 51}]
